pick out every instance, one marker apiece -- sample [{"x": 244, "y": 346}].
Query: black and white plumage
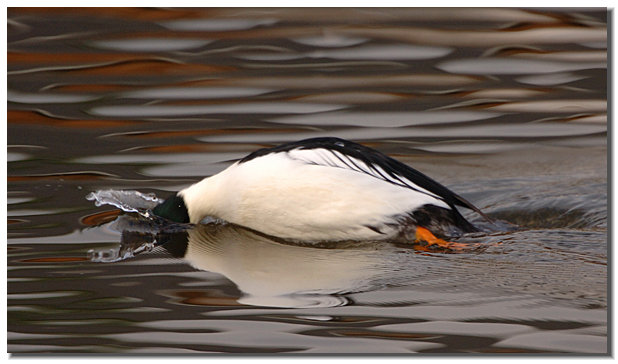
[{"x": 322, "y": 189}]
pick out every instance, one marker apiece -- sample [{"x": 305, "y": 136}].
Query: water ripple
[
  {"x": 150, "y": 44},
  {"x": 216, "y": 25},
  {"x": 507, "y": 107},
  {"x": 198, "y": 93},
  {"x": 504, "y": 66},
  {"x": 236, "y": 108},
  {"x": 388, "y": 119}
]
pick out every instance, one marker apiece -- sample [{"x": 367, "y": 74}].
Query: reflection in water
[
  {"x": 268, "y": 272},
  {"x": 274, "y": 274}
]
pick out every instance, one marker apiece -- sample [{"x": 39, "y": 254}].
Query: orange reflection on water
[{"x": 31, "y": 117}]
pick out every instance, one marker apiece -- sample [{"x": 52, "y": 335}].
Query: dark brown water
[{"x": 507, "y": 107}]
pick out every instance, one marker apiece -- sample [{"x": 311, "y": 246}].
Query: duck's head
[{"x": 173, "y": 209}]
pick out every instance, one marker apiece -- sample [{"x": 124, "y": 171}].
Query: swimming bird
[{"x": 324, "y": 189}]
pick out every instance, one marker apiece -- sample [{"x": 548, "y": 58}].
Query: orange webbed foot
[{"x": 425, "y": 236}]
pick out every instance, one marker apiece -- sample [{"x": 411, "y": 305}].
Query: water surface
[{"x": 506, "y": 107}]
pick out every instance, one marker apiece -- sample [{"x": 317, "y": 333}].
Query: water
[{"x": 507, "y": 107}]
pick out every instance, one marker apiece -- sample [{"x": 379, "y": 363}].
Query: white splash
[{"x": 126, "y": 200}]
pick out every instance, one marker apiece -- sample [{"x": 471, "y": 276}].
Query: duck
[{"x": 324, "y": 189}]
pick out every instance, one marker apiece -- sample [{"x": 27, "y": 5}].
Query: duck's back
[{"x": 329, "y": 189}]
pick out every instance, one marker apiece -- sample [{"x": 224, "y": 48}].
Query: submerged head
[{"x": 173, "y": 209}]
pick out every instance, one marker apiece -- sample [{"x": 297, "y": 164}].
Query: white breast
[{"x": 283, "y": 195}]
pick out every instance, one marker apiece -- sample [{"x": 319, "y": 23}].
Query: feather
[{"x": 339, "y": 153}]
